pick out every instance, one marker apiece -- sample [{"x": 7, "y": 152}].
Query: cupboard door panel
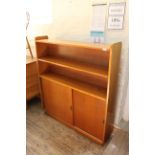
[
  {"x": 89, "y": 114},
  {"x": 58, "y": 101}
]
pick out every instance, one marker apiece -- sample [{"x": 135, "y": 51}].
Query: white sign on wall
[
  {"x": 115, "y": 22},
  {"x": 117, "y": 9},
  {"x": 116, "y": 16},
  {"x": 98, "y": 23},
  {"x": 98, "y": 17}
]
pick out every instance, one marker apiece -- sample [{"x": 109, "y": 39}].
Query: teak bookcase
[{"x": 78, "y": 84}]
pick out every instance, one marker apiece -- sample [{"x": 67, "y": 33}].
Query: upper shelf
[
  {"x": 78, "y": 66},
  {"x": 104, "y": 48}
]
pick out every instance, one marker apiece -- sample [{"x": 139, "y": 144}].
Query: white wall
[{"x": 71, "y": 21}]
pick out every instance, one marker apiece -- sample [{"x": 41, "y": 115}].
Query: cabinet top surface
[{"x": 75, "y": 43}]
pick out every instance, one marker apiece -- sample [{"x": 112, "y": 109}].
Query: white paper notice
[
  {"x": 98, "y": 17},
  {"x": 115, "y": 22}
]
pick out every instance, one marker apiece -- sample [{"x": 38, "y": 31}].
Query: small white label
[
  {"x": 115, "y": 22},
  {"x": 104, "y": 49},
  {"x": 117, "y": 9}
]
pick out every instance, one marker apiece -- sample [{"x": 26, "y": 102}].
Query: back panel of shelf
[{"x": 79, "y": 54}]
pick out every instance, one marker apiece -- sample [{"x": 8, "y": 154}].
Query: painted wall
[{"x": 71, "y": 21}]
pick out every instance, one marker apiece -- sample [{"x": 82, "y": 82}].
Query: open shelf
[
  {"x": 78, "y": 66},
  {"x": 102, "y": 47},
  {"x": 76, "y": 85}
]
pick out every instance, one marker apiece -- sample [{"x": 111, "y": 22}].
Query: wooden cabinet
[
  {"x": 78, "y": 83},
  {"x": 58, "y": 101}
]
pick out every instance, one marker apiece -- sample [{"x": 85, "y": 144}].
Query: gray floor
[
  {"x": 46, "y": 136},
  {"x": 124, "y": 125}
]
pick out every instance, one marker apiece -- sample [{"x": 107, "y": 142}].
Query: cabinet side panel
[
  {"x": 112, "y": 86},
  {"x": 41, "y": 50}
]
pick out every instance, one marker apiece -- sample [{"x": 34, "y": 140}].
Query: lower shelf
[{"x": 77, "y": 85}]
